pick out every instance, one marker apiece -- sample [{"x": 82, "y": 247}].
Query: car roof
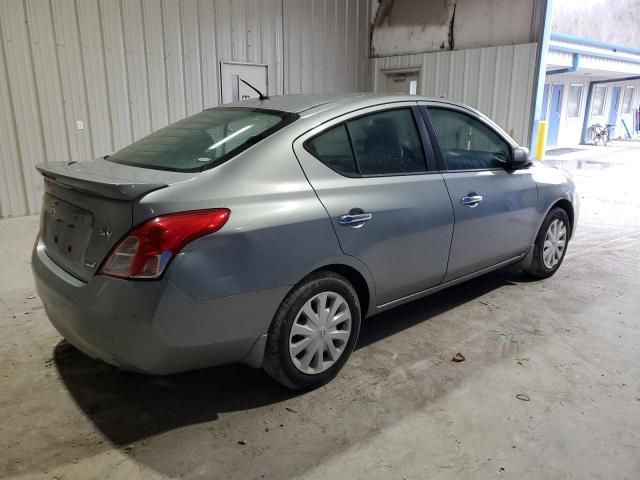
[
  {"x": 310, "y": 105},
  {"x": 301, "y": 103}
]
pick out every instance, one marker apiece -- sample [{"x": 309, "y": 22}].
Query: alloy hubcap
[
  {"x": 320, "y": 333},
  {"x": 555, "y": 242}
]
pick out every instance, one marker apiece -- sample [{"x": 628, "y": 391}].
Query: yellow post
[{"x": 542, "y": 139}]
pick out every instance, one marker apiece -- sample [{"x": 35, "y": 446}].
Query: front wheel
[
  {"x": 313, "y": 332},
  {"x": 551, "y": 244}
]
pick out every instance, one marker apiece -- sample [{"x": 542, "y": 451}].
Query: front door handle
[
  {"x": 471, "y": 200},
  {"x": 355, "y": 218}
]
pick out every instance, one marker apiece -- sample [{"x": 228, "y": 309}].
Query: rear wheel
[
  {"x": 314, "y": 332},
  {"x": 551, "y": 244}
]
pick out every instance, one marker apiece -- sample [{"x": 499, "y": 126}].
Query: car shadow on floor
[
  {"x": 405, "y": 316},
  {"x": 128, "y": 407}
]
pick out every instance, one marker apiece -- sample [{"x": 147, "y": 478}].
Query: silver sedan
[{"x": 263, "y": 232}]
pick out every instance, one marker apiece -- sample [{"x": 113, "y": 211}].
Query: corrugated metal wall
[
  {"x": 498, "y": 81},
  {"x": 327, "y": 46},
  {"x": 126, "y": 67}
]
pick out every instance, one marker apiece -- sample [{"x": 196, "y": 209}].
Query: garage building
[
  {"x": 496, "y": 376},
  {"x": 81, "y": 79}
]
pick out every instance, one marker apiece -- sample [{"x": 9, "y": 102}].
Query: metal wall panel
[
  {"x": 327, "y": 46},
  {"x": 12, "y": 192},
  {"x": 173, "y": 59},
  {"x": 113, "y": 39},
  {"x": 98, "y": 93},
  {"x": 156, "y": 66},
  {"x": 48, "y": 80},
  {"x": 208, "y": 56},
  {"x": 71, "y": 78},
  {"x": 137, "y": 81},
  {"x": 498, "y": 81},
  {"x": 191, "y": 57},
  {"x": 25, "y": 108},
  {"x": 124, "y": 68}
]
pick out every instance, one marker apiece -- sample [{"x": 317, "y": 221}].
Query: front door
[
  {"x": 615, "y": 105},
  {"x": 369, "y": 170},
  {"x": 555, "y": 110},
  {"x": 495, "y": 209}
]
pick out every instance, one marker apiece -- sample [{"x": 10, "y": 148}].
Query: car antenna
[{"x": 262, "y": 97}]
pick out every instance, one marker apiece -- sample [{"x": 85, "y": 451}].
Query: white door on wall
[
  {"x": 404, "y": 81},
  {"x": 233, "y": 89}
]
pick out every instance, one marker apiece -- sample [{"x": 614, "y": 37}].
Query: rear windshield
[{"x": 203, "y": 140}]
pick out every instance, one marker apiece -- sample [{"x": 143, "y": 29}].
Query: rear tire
[
  {"x": 313, "y": 332},
  {"x": 551, "y": 244}
]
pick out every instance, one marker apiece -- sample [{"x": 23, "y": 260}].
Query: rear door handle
[
  {"x": 471, "y": 200},
  {"x": 355, "y": 219}
]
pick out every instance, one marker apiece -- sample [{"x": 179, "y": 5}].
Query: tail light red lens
[{"x": 147, "y": 250}]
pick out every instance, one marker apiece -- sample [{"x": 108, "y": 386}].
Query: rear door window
[
  {"x": 334, "y": 150},
  {"x": 203, "y": 140},
  {"x": 388, "y": 143}
]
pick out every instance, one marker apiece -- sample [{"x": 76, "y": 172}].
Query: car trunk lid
[{"x": 87, "y": 209}]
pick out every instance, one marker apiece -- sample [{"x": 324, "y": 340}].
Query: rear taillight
[{"x": 147, "y": 250}]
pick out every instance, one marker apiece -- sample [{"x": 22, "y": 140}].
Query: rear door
[
  {"x": 495, "y": 209},
  {"x": 370, "y": 171}
]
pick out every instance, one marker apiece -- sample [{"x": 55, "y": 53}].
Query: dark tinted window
[
  {"x": 334, "y": 150},
  {"x": 467, "y": 143},
  {"x": 387, "y": 143},
  {"x": 202, "y": 140}
]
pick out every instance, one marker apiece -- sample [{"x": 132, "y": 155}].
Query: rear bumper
[{"x": 152, "y": 327}]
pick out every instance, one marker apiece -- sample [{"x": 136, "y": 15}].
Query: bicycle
[{"x": 601, "y": 133}]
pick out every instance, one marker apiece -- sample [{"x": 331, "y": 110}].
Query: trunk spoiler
[{"x": 104, "y": 179}]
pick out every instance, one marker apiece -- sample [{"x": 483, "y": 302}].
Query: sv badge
[{"x": 106, "y": 232}]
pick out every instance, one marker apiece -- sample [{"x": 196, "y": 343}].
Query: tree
[{"x": 614, "y": 21}]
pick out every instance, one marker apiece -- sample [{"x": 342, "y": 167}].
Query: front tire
[
  {"x": 551, "y": 244},
  {"x": 313, "y": 332}
]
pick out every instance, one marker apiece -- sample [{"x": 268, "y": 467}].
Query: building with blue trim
[{"x": 589, "y": 82}]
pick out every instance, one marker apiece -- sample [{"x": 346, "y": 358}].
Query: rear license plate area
[{"x": 66, "y": 230}]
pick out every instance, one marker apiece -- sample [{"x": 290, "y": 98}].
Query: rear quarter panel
[{"x": 277, "y": 233}]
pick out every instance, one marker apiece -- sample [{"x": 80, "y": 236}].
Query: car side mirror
[{"x": 520, "y": 158}]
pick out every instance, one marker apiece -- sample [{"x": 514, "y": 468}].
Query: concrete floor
[{"x": 400, "y": 410}]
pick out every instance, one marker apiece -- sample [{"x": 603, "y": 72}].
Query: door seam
[
  {"x": 453, "y": 229},
  {"x": 333, "y": 227}
]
